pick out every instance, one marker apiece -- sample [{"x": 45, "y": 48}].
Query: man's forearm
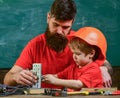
[
  {"x": 109, "y": 67},
  {"x": 8, "y": 80}
]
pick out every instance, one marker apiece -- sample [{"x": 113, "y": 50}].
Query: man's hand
[
  {"x": 106, "y": 76},
  {"x": 25, "y": 77}
]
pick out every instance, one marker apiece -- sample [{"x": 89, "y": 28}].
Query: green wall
[{"x": 21, "y": 20}]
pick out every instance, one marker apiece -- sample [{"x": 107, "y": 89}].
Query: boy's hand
[{"x": 49, "y": 78}]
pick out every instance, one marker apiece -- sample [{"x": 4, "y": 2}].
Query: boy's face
[{"x": 80, "y": 58}]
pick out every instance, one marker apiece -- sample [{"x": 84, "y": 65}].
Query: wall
[{"x": 21, "y": 20}]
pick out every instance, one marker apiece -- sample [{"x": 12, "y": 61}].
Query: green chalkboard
[{"x": 21, "y": 20}]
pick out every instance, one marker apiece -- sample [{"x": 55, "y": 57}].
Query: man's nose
[{"x": 59, "y": 30}]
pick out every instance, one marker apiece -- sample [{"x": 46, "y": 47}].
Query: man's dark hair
[{"x": 63, "y": 10}]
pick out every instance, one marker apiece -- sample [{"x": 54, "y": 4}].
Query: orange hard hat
[{"x": 92, "y": 36}]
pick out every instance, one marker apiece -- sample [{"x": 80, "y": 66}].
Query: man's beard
[{"x": 55, "y": 41}]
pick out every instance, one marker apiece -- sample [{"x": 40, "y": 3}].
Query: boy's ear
[{"x": 92, "y": 53}]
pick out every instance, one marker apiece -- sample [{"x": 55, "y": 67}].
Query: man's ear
[
  {"x": 48, "y": 17},
  {"x": 73, "y": 20}
]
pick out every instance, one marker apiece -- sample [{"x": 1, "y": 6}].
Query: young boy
[{"x": 89, "y": 47}]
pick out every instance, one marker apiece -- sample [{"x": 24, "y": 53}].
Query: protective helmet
[{"x": 93, "y": 36}]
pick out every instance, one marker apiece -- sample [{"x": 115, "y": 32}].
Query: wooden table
[{"x": 75, "y": 96}]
